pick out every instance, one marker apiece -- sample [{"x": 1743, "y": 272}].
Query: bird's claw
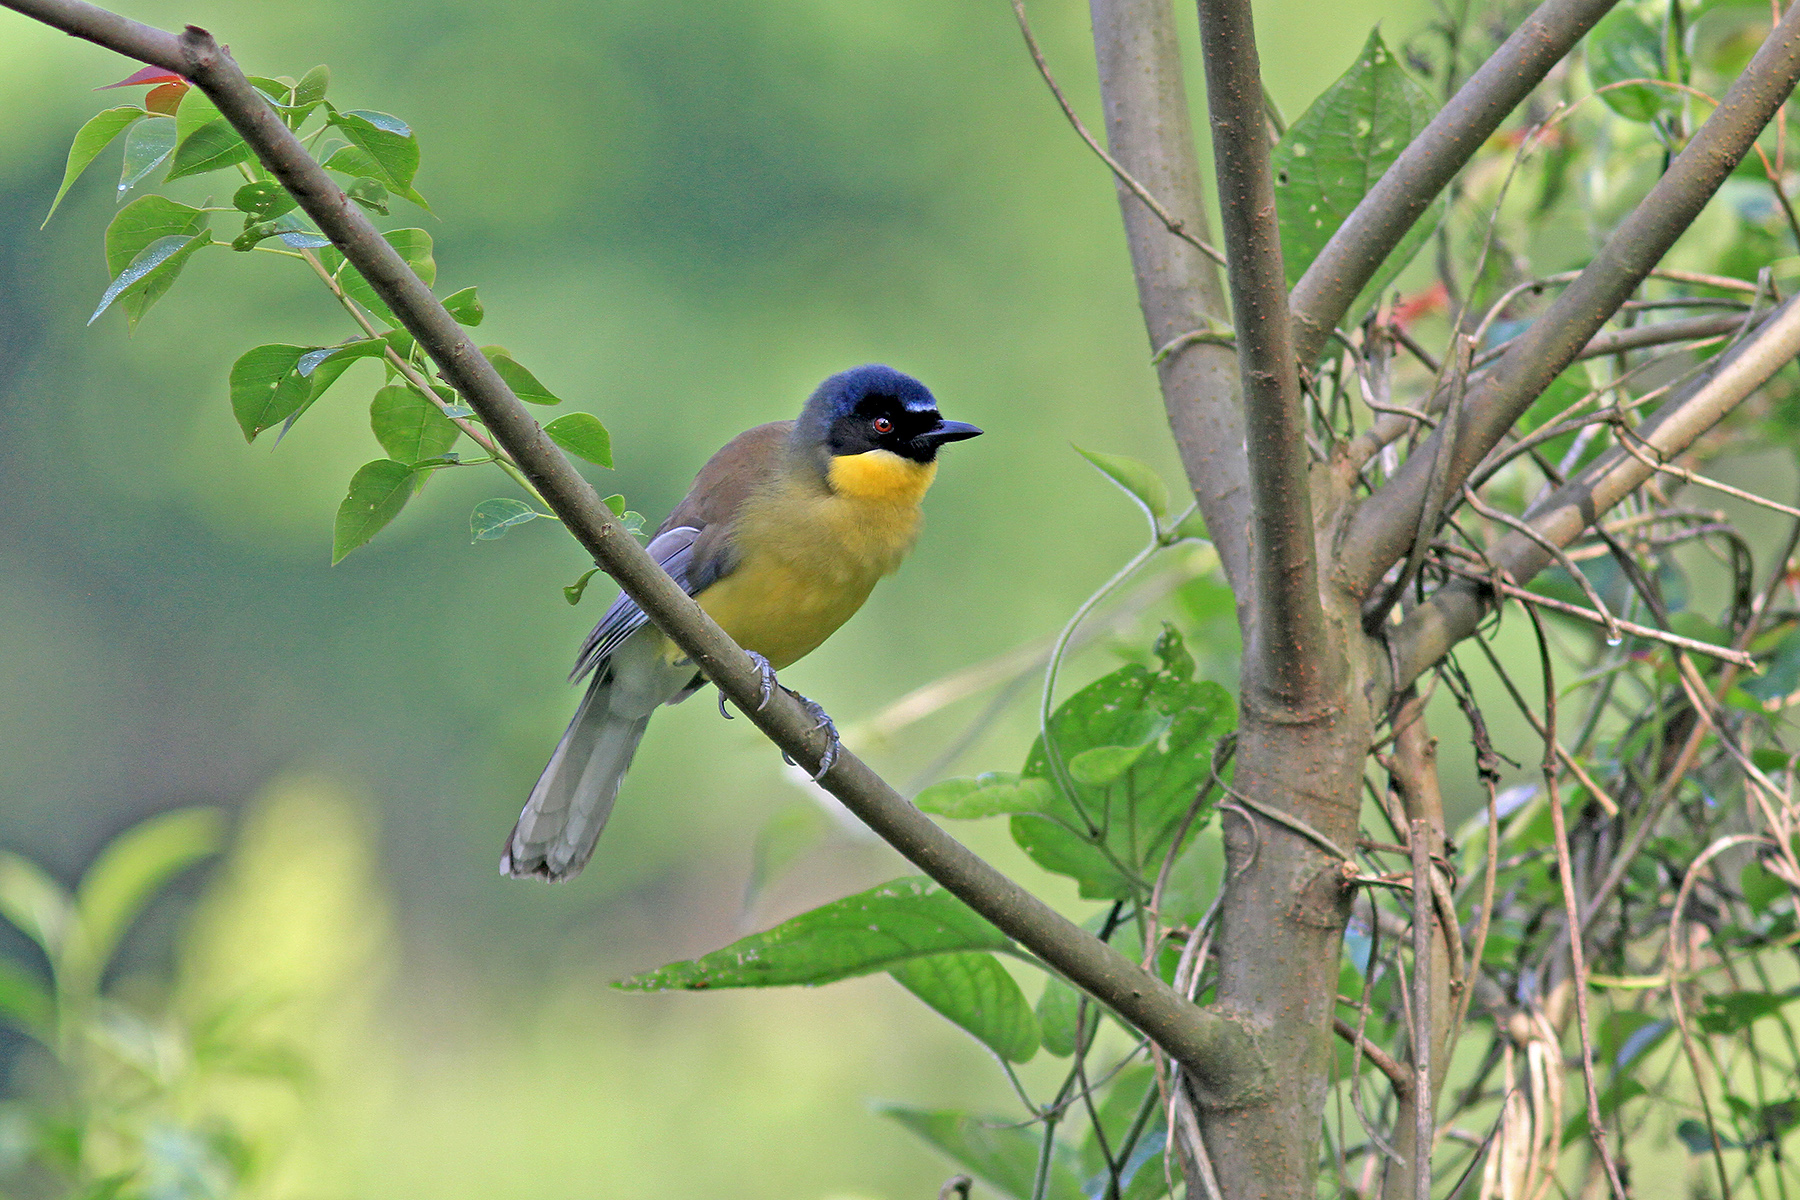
[
  {"x": 821, "y": 720},
  {"x": 768, "y": 684}
]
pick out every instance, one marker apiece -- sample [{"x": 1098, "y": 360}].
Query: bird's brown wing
[{"x": 693, "y": 545}]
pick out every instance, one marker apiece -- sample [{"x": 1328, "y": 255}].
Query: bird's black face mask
[{"x": 884, "y": 422}]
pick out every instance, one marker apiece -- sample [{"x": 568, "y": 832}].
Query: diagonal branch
[
  {"x": 1454, "y": 610},
  {"x": 1286, "y": 663},
  {"x": 1403, "y": 193},
  {"x": 1217, "y": 1049},
  {"x": 1149, "y": 133},
  {"x": 1383, "y": 527}
]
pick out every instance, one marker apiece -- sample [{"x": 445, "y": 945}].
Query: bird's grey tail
[{"x": 555, "y": 835}]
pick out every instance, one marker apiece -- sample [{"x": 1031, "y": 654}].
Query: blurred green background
[{"x": 681, "y": 215}]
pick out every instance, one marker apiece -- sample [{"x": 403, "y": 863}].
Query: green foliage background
[{"x": 682, "y": 215}]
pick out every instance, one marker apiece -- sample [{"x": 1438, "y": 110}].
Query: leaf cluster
[{"x": 418, "y": 424}]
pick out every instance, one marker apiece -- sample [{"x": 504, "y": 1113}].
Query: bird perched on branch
[{"x": 780, "y": 539}]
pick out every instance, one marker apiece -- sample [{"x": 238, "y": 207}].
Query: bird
[{"x": 781, "y": 538}]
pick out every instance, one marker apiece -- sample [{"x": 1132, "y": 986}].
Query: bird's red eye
[{"x": 883, "y": 425}]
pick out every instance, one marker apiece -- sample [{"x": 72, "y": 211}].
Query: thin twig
[
  {"x": 1125, "y": 177},
  {"x": 1509, "y": 588},
  {"x": 1398, "y": 1073},
  {"x": 1677, "y": 958},
  {"x": 1630, "y": 442},
  {"x": 1422, "y": 927},
  {"x": 1572, "y": 908}
]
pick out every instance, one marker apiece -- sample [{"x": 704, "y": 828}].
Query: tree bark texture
[
  {"x": 1149, "y": 131},
  {"x": 1284, "y": 661}
]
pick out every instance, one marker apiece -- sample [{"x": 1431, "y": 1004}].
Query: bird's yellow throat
[{"x": 880, "y": 475}]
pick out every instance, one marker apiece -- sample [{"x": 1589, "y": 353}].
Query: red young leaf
[
  {"x": 165, "y": 98},
  {"x": 147, "y": 75},
  {"x": 1410, "y": 308}
]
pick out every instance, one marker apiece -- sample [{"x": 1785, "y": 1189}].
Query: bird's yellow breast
[
  {"x": 880, "y": 476},
  {"x": 807, "y": 557}
]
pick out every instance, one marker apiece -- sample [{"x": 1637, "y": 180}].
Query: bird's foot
[
  {"x": 821, "y": 720},
  {"x": 768, "y": 684}
]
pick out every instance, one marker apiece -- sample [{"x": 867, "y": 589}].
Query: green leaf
[
  {"x": 1099, "y": 766},
  {"x": 1730, "y": 1012},
  {"x": 575, "y": 591},
  {"x": 870, "y": 931},
  {"x": 322, "y": 367},
  {"x": 155, "y": 267},
  {"x": 523, "y": 383},
  {"x": 264, "y": 199},
  {"x": 632, "y": 521},
  {"x": 350, "y": 160},
  {"x": 1760, "y": 886},
  {"x": 1329, "y": 159},
  {"x": 1627, "y": 1035},
  {"x": 1694, "y": 1136},
  {"x": 388, "y": 142},
  {"x": 311, "y": 375},
  {"x": 494, "y": 518},
  {"x": 974, "y": 991},
  {"x": 1781, "y": 676},
  {"x": 995, "y": 1150},
  {"x": 413, "y": 245},
  {"x": 134, "y": 867},
  {"x": 90, "y": 140},
  {"x": 465, "y": 306},
  {"x": 1190, "y": 528},
  {"x": 986, "y": 795},
  {"x": 1138, "y": 481},
  {"x": 378, "y": 491},
  {"x": 409, "y": 427},
  {"x": 1057, "y": 1010},
  {"x": 1623, "y": 46},
  {"x": 371, "y": 193},
  {"x": 278, "y": 92},
  {"x": 1140, "y": 811},
  {"x": 196, "y": 109},
  {"x": 147, "y": 146},
  {"x": 35, "y": 903},
  {"x": 258, "y": 399},
  {"x": 383, "y": 147},
  {"x": 25, "y": 1003},
  {"x": 132, "y": 230},
  {"x": 582, "y": 435},
  {"x": 212, "y": 147},
  {"x": 309, "y": 92}
]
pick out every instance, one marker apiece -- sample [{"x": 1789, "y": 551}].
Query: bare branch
[
  {"x": 1150, "y": 135},
  {"x": 1356, "y": 251},
  {"x": 1285, "y": 662},
  {"x": 1454, "y": 610},
  {"x": 1398, "y": 1074},
  {"x": 1381, "y": 530},
  {"x": 1215, "y": 1048}
]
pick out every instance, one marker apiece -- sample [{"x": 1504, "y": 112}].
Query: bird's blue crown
[{"x": 840, "y": 395}]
